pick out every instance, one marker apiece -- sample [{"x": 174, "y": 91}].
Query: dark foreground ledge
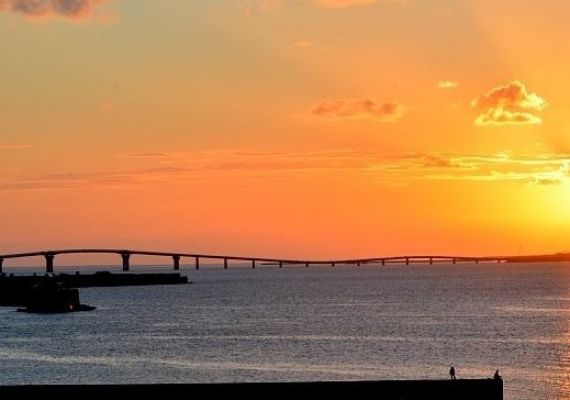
[
  {"x": 14, "y": 290},
  {"x": 462, "y": 389}
]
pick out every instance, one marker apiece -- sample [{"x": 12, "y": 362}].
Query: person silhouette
[
  {"x": 452, "y": 373},
  {"x": 497, "y": 376}
]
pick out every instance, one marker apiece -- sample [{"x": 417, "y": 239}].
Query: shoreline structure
[{"x": 464, "y": 389}]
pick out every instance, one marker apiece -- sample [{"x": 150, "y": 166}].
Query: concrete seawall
[{"x": 461, "y": 389}]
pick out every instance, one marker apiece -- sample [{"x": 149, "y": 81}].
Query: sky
[{"x": 285, "y": 128}]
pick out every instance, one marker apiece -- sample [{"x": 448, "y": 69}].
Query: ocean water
[{"x": 343, "y": 323}]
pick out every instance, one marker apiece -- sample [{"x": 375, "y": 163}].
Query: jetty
[
  {"x": 16, "y": 291},
  {"x": 460, "y": 389}
]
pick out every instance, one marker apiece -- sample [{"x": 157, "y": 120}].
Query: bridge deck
[{"x": 176, "y": 257}]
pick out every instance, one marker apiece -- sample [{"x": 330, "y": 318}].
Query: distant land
[{"x": 558, "y": 257}]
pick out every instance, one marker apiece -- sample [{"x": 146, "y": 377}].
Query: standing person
[
  {"x": 452, "y": 373},
  {"x": 497, "y": 376}
]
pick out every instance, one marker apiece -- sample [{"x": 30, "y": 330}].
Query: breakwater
[
  {"x": 14, "y": 290},
  {"x": 467, "y": 389}
]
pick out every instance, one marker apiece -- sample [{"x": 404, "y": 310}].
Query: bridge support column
[
  {"x": 253, "y": 264},
  {"x": 1, "y": 262},
  {"x": 176, "y": 262},
  {"x": 126, "y": 261},
  {"x": 225, "y": 263},
  {"x": 49, "y": 262},
  {"x": 197, "y": 263}
]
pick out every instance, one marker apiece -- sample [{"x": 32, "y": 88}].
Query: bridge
[{"x": 176, "y": 258}]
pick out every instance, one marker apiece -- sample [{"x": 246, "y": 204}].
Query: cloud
[
  {"x": 511, "y": 104},
  {"x": 511, "y": 95},
  {"x": 447, "y": 84},
  {"x": 565, "y": 169},
  {"x": 546, "y": 181},
  {"x": 436, "y": 161},
  {"x": 358, "y": 108},
  {"x": 499, "y": 116},
  {"x": 68, "y": 9},
  {"x": 145, "y": 170}
]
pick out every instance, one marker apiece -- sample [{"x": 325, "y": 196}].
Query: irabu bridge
[{"x": 177, "y": 257}]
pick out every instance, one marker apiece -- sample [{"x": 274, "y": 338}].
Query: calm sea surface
[{"x": 272, "y": 324}]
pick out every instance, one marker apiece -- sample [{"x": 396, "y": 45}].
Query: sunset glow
[{"x": 292, "y": 128}]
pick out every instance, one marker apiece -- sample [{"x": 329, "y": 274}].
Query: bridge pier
[
  {"x": 126, "y": 261},
  {"x": 176, "y": 262},
  {"x": 197, "y": 262},
  {"x": 49, "y": 262},
  {"x": 1, "y": 262},
  {"x": 225, "y": 263}
]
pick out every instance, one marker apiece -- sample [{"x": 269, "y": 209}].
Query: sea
[{"x": 308, "y": 324}]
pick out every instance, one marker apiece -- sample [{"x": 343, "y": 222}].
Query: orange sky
[{"x": 292, "y": 128}]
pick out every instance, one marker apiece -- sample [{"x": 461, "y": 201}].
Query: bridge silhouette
[{"x": 177, "y": 257}]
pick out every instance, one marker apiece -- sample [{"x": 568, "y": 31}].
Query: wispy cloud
[
  {"x": 67, "y": 9},
  {"x": 164, "y": 168},
  {"x": 566, "y": 169},
  {"x": 510, "y": 104},
  {"x": 358, "y": 108},
  {"x": 447, "y": 84},
  {"x": 545, "y": 169}
]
